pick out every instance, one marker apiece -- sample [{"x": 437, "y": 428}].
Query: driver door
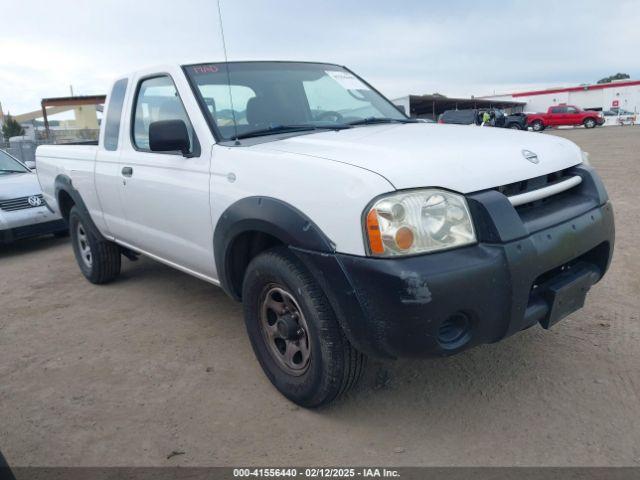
[
  {"x": 166, "y": 194},
  {"x": 572, "y": 117}
]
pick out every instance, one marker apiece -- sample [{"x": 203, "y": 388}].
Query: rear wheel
[
  {"x": 537, "y": 126},
  {"x": 98, "y": 259},
  {"x": 294, "y": 331},
  {"x": 589, "y": 123}
]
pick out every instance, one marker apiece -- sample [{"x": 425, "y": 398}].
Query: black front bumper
[
  {"x": 505, "y": 283},
  {"x": 27, "y": 231}
]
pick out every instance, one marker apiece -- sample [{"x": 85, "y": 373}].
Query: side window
[
  {"x": 157, "y": 99},
  {"x": 571, "y": 110},
  {"x": 114, "y": 112},
  {"x": 556, "y": 110}
]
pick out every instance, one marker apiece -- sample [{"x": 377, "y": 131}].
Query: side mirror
[
  {"x": 31, "y": 164},
  {"x": 169, "y": 136}
]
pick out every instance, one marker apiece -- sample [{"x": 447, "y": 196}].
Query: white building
[{"x": 619, "y": 94}]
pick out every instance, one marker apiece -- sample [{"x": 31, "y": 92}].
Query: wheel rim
[
  {"x": 83, "y": 246},
  {"x": 590, "y": 123},
  {"x": 284, "y": 330}
]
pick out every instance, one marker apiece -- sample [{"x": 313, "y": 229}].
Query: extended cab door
[
  {"x": 166, "y": 194},
  {"x": 108, "y": 181}
]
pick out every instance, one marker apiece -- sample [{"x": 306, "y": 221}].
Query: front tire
[
  {"x": 515, "y": 126},
  {"x": 589, "y": 123},
  {"x": 98, "y": 259},
  {"x": 537, "y": 126},
  {"x": 294, "y": 331}
]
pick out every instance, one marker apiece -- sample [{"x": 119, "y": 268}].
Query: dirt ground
[{"x": 158, "y": 362}]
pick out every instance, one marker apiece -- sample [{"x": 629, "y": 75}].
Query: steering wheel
[{"x": 336, "y": 116}]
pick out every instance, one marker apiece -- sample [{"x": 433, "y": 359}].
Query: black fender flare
[
  {"x": 266, "y": 215},
  {"x": 63, "y": 183}
]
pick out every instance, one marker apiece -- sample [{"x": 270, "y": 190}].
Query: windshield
[
  {"x": 8, "y": 164},
  {"x": 261, "y": 98}
]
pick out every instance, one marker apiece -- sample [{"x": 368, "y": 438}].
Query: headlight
[
  {"x": 418, "y": 221},
  {"x": 585, "y": 159}
]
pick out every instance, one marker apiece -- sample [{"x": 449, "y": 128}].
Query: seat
[{"x": 261, "y": 112}]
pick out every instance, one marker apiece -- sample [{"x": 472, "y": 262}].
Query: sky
[{"x": 456, "y": 48}]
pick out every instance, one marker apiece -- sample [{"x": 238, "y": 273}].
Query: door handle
[{"x": 127, "y": 171}]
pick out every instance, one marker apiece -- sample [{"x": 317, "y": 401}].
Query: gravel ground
[{"x": 158, "y": 362}]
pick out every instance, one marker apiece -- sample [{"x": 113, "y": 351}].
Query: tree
[
  {"x": 11, "y": 128},
  {"x": 617, "y": 76}
]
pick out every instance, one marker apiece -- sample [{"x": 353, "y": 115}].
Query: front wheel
[
  {"x": 515, "y": 126},
  {"x": 589, "y": 123},
  {"x": 537, "y": 126},
  {"x": 294, "y": 331},
  {"x": 98, "y": 258}
]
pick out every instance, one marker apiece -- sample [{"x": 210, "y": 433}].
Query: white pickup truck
[{"x": 346, "y": 229}]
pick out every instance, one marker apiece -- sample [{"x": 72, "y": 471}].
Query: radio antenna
[{"x": 226, "y": 64}]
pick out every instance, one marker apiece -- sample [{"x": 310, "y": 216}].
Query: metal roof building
[
  {"x": 430, "y": 106},
  {"x": 624, "y": 94}
]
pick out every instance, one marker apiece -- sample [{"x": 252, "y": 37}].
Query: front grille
[
  {"x": 536, "y": 183},
  {"x": 21, "y": 203},
  {"x": 533, "y": 183}
]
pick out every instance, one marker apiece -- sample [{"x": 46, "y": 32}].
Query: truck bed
[{"x": 74, "y": 161}]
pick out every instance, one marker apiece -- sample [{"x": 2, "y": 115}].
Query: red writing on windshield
[{"x": 199, "y": 69}]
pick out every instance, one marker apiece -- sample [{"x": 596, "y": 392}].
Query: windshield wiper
[
  {"x": 289, "y": 128},
  {"x": 12, "y": 171},
  {"x": 374, "y": 120}
]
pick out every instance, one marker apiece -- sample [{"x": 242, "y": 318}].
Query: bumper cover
[
  {"x": 517, "y": 275},
  {"x": 26, "y": 231}
]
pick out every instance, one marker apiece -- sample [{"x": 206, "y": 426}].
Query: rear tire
[
  {"x": 537, "y": 126},
  {"x": 285, "y": 311},
  {"x": 98, "y": 259},
  {"x": 589, "y": 123}
]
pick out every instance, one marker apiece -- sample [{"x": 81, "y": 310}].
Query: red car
[{"x": 564, "y": 115}]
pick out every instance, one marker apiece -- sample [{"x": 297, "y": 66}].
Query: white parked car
[
  {"x": 620, "y": 116},
  {"x": 23, "y": 212},
  {"x": 346, "y": 229}
]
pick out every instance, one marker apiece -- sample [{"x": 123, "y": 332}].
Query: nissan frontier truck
[{"x": 346, "y": 229}]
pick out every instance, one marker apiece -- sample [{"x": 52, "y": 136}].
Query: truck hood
[
  {"x": 457, "y": 157},
  {"x": 16, "y": 185}
]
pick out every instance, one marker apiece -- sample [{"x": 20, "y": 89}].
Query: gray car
[{"x": 23, "y": 212}]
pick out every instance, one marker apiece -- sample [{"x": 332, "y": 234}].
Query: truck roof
[{"x": 173, "y": 66}]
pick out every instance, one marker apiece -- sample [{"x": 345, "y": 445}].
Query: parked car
[
  {"x": 460, "y": 117},
  {"x": 346, "y": 229},
  {"x": 564, "y": 115},
  {"x": 622, "y": 116},
  {"x": 22, "y": 209},
  {"x": 517, "y": 121}
]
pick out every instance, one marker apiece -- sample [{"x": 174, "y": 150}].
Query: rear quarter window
[{"x": 114, "y": 113}]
